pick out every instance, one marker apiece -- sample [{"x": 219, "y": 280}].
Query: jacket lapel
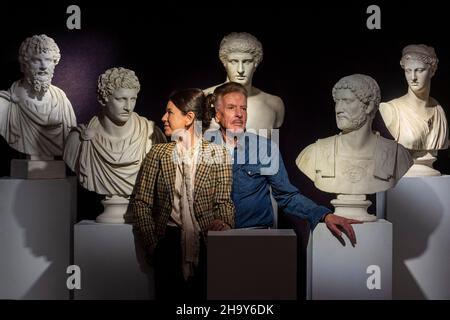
[
  {"x": 203, "y": 168},
  {"x": 169, "y": 169}
]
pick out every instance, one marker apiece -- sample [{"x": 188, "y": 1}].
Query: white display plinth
[
  {"x": 252, "y": 264},
  {"x": 419, "y": 209},
  {"x": 360, "y": 272},
  {"x": 36, "y": 219},
  {"x": 111, "y": 262}
]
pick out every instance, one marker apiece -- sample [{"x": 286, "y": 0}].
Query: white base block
[
  {"x": 38, "y": 169},
  {"x": 36, "y": 219},
  {"x": 111, "y": 262},
  {"x": 419, "y": 209},
  {"x": 256, "y": 264},
  {"x": 360, "y": 272}
]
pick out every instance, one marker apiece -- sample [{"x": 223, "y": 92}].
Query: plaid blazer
[{"x": 152, "y": 199}]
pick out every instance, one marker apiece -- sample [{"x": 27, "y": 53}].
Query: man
[
  {"x": 358, "y": 161},
  {"x": 240, "y": 54},
  {"x": 107, "y": 154},
  {"x": 254, "y": 171},
  {"x": 416, "y": 120},
  {"x": 36, "y": 116}
]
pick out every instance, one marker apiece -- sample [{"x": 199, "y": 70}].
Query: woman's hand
[{"x": 218, "y": 225}]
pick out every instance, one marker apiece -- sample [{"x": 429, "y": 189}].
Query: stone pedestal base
[
  {"x": 423, "y": 165},
  {"x": 353, "y": 207},
  {"x": 116, "y": 210}
]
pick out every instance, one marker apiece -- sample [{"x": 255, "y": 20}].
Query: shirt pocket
[{"x": 252, "y": 178}]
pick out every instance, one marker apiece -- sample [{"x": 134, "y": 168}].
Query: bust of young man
[
  {"x": 240, "y": 54},
  {"x": 416, "y": 120},
  {"x": 36, "y": 116},
  {"x": 357, "y": 161},
  {"x": 107, "y": 154}
]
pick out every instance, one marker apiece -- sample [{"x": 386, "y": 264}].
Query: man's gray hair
[{"x": 240, "y": 42}]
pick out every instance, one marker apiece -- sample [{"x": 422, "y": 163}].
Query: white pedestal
[
  {"x": 419, "y": 209},
  {"x": 253, "y": 264},
  {"x": 111, "y": 262},
  {"x": 36, "y": 219},
  {"x": 338, "y": 272}
]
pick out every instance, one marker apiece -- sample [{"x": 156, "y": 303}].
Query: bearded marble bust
[
  {"x": 416, "y": 120},
  {"x": 36, "y": 116},
  {"x": 357, "y": 161}
]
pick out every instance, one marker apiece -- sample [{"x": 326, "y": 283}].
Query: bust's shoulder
[
  {"x": 211, "y": 89},
  {"x": 272, "y": 100}
]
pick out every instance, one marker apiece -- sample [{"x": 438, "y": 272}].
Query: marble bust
[
  {"x": 106, "y": 154},
  {"x": 357, "y": 161},
  {"x": 240, "y": 54},
  {"x": 416, "y": 120},
  {"x": 36, "y": 116}
]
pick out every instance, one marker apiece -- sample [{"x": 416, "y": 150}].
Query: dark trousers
[{"x": 169, "y": 280}]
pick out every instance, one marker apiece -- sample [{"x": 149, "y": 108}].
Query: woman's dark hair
[{"x": 192, "y": 99}]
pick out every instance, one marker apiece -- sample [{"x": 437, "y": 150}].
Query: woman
[{"x": 183, "y": 190}]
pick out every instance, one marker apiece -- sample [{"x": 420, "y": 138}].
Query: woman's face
[
  {"x": 174, "y": 119},
  {"x": 418, "y": 75}
]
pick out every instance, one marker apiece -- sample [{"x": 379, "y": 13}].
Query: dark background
[{"x": 307, "y": 49}]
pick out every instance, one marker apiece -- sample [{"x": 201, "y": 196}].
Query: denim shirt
[{"x": 258, "y": 165}]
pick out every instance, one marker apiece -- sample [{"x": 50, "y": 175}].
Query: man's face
[
  {"x": 240, "y": 67},
  {"x": 39, "y": 70},
  {"x": 120, "y": 105},
  {"x": 350, "y": 112},
  {"x": 418, "y": 74},
  {"x": 232, "y": 112}
]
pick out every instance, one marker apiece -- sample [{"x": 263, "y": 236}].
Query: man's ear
[
  {"x": 217, "y": 116},
  {"x": 103, "y": 101},
  {"x": 370, "y": 107}
]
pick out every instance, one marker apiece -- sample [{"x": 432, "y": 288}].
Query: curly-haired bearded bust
[{"x": 358, "y": 161}]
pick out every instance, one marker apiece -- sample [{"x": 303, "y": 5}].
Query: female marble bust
[{"x": 416, "y": 120}]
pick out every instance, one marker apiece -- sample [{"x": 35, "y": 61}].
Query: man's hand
[
  {"x": 218, "y": 225},
  {"x": 338, "y": 224}
]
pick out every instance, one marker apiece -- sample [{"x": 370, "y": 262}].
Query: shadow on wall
[
  {"x": 412, "y": 233},
  {"x": 47, "y": 216}
]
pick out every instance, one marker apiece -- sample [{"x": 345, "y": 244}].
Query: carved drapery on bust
[
  {"x": 105, "y": 164},
  {"x": 416, "y": 120},
  {"x": 36, "y": 116}
]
